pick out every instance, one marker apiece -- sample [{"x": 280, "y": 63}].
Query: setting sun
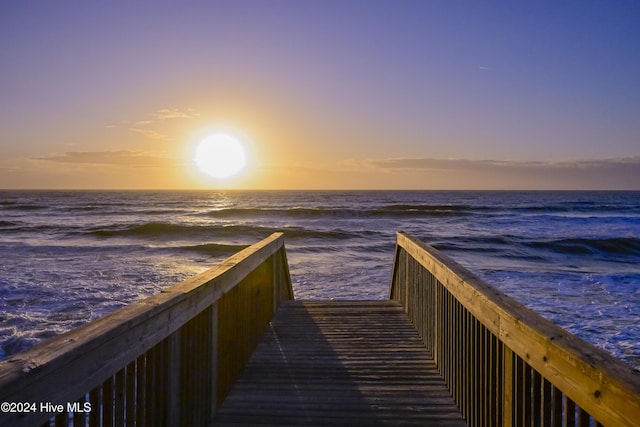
[{"x": 220, "y": 156}]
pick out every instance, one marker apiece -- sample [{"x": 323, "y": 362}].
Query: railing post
[
  {"x": 507, "y": 386},
  {"x": 214, "y": 361},
  {"x": 173, "y": 371},
  {"x": 405, "y": 285},
  {"x": 275, "y": 275}
]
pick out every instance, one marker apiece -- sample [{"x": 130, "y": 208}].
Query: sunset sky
[{"x": 323, "y": 94}]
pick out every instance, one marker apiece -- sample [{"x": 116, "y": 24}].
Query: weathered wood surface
[
  {"x": 340, "y": 363},
  {"x": 468, "y": 323}
]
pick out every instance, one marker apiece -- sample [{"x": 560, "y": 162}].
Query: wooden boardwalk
[
  {"x": 185, "y": 356},
  {"x": 340, "y": 363}
]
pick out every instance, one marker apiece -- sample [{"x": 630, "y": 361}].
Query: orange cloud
[
  {"x": 612, "y": 173},
  {"x": 175, "y": 113},
  {"x": 119, "y": 158},
  {"x": 149, "y": 133}
]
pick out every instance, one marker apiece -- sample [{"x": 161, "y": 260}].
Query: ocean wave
[
  {"x": 243, "y": 212},
  {"x": 295, "y": 212},
  {"x": 161, "y": 211},
  {"x": 300, "y": 212},
  {"x": 476, "y": 243},
  {"x": 508, "y": 245},
  {"x": 160, "y": 229},
  {"x": 573, "y": 254},
  {"x": 426, "y": 208},
  {"x": 317, "y": 234},
  {"x": 346, "y": 248},
  {"x": 18, "y": 227},
  {"x": 625, "y": 246},
  {"x": 214, "y": 248},
  {"x": 17, "y": 207},
  {"x": 87, "y": 208},
  {"x": 422, "y": 211},
  {"x": 594, "y": 210},
  {"x": 156, "y": 229}
]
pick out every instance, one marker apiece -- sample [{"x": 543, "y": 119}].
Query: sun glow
[{"x": 220, "y": 156}]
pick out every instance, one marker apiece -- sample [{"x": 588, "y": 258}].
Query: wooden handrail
[
  {"x": 138, "y": 362},
  {"x": 505, "y": 364}
]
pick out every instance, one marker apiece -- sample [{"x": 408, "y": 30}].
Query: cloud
[
  {"x": 175, "y": 113},
  {"x": 149, "y": 133},
  {"x": 610, "y": 173},
  {"x": 482, "y": 165},
  {"x": 116, "y": 158},
  {"x": 142, "y": 126}
]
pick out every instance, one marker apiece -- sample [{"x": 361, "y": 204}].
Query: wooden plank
[
  {"x": 107, "y": 403},
  {"x": 141, "y": 396},
  {"x": 593, "y": 379},
  {"x": 119, "y": 398},
  {"x": 508, "y": 391},
  {"x": 340, "y": 363},
  {"x": 94, "y": 400},
  {"x": 79, "y": 416},
  {"x": 173, "y": 374},
  {"x": 131, "y": 394},
  {"x": 61, "y": 419}
]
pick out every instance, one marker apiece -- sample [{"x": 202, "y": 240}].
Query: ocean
[{"x": 69, "y": 257}]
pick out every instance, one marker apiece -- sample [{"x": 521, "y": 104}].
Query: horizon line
[{"x": 327, "y": 189}]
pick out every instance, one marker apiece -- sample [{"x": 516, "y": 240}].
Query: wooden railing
[
  {"x": 169, "y": 359},
  {"x": 503, "y": 363}
]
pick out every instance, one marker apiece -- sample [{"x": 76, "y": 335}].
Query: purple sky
[{"x": 326, "y": 94}]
